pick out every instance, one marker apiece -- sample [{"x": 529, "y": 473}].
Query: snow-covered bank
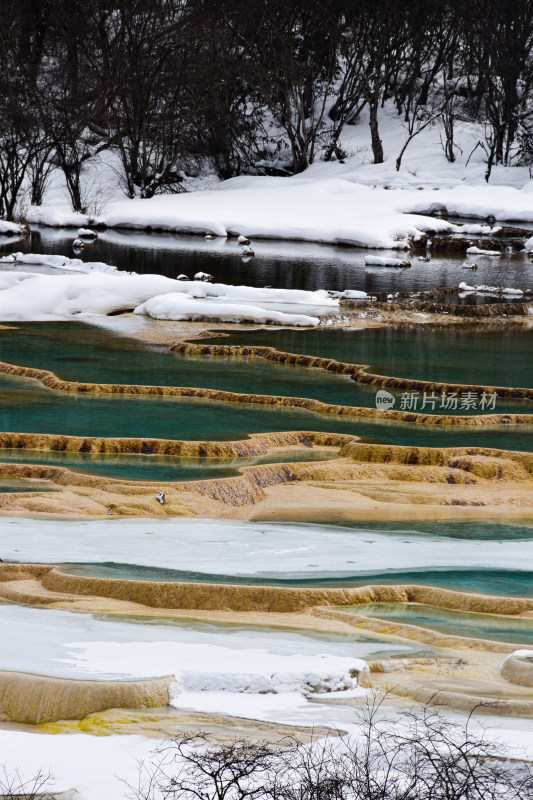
[
  {"x": 10, "y": 228},
  {"x": 101, "y": 291},
  {"x": 301, "y": 208},
  {"x": 308, "y": 207},
  {"x": 352, "y": 202}
]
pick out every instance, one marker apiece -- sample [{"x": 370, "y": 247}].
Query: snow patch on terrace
[
  {"x": 527, "y": 654},
  {"x": 102, "y": 290},
  {"x": 183, "y": 307},
  {"x": 203, "y": 658},
  {"x": 284, "y": 551}
]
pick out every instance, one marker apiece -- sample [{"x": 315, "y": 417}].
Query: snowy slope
[{"x": 355, "y": 202}]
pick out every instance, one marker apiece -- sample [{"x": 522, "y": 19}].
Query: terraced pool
[
  {"x": 83, "y": 352},
  {"x": 458, "y": 623},
  {"x": 465, "y": 353}
]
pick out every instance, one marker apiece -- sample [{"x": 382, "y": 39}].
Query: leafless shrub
[
  {"x": 413, "y": 755},
  {"x": 14, "y": 785}
]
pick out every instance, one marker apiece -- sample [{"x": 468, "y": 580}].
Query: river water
[{"x": 288, "y": 265}]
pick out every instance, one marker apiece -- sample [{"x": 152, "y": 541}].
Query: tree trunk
[{"x": 377, "y": 146}]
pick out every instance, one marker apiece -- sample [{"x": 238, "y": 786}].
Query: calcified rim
[
  {"x": 515, "y": 670},
  {"x": 357, "y": 372},
  {"x": 255, "y": 445},
  {"x": 247, "y": 488},
  {"x": 51, "y": 381},
  {"x": 36, "y": 699},
  {"x": 320, "y": 602}
]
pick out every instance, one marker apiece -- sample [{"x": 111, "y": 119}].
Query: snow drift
[
  {"x": 10, "y": 228},
  {"x": 101, "y": 290}
]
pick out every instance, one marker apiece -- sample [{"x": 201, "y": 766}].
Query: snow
[
  {"x": 203, "y": 657},
  {"x": 103, "y": 290},
  {"x": 350, "y": 294},
  {"x": 10, "y": 228},
  {"x": 182, "y": 307},
  {"x": 57, "y": 262},
  {"x": 476, "y": 251},
  {"x": 507, "y": 290},
  {"x": 377, "y": 261},
  {"x": 86, "y": 233},
  {"x": 475, "y": 229},
  {"x": 517, "y": 654},
  {"x": 94, "y": 765},
  {"x": 249, "y": 549}
]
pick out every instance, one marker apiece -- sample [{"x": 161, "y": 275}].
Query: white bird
[
  {"x": 160, "y": 497},
  {"x": 247, "y": 250}
]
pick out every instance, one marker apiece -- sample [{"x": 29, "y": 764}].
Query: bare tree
[
  {"x": 290, "y": 62},
  {"x": 197, "y": 768},
  {"x": 22, "y": 140},
  {"x": 70, "y": 95},
  {"x": 498, "y": 48},
  {"x": 13, "y": 785},
  {"x": 157, "y": 91}
]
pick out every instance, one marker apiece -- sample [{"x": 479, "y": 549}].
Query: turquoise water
[
  {"x": 79, "y": 352},
  {"x": 456, "y": 354},
  {"x": 83, "y": 352},
  {"x": 458, "y": 623},
  {"x": 27, "y": 406},
  {"x": 508, "y": 583},
  {"x": 156, "y": 468}
]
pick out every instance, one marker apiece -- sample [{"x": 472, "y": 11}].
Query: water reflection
[{"x": 289, "y": 265}]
